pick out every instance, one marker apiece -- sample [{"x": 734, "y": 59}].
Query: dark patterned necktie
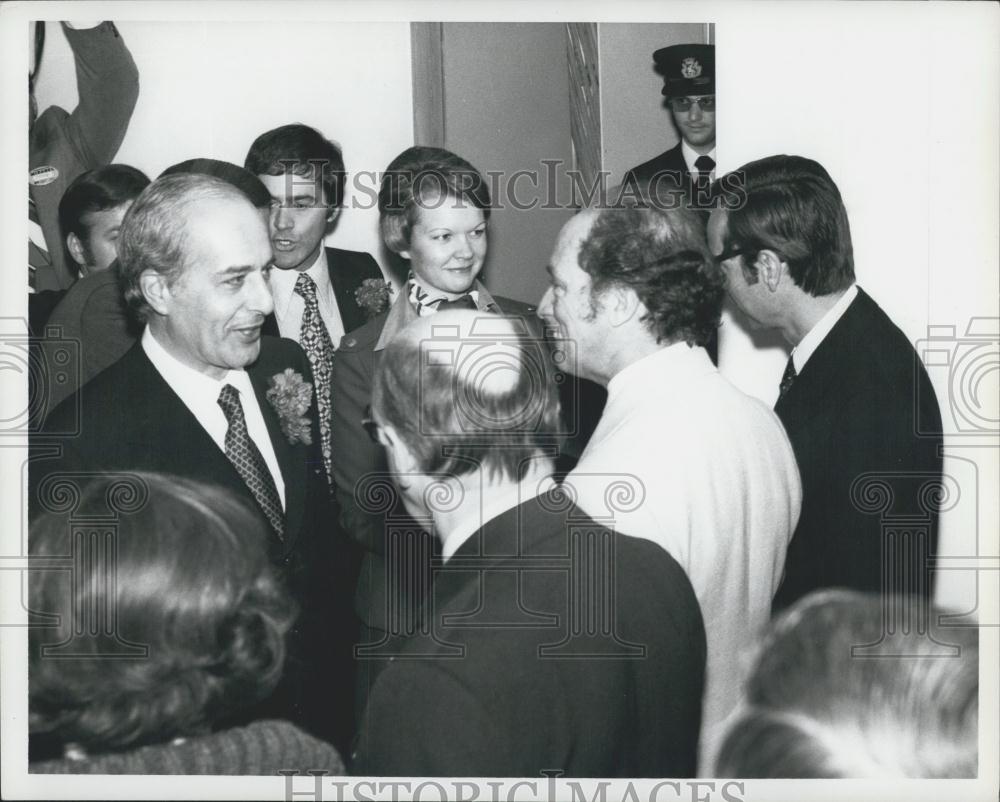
[
  {"x": 316, "y": 342},
  {"x": 787, "y": 378},
  {"x": 705, "y": 165},
  {"x": 248, "y": 461}
]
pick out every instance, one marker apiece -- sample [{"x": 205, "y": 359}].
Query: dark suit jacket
[
  {"x": 856, "y": 408},
  {"x": 484, "y": 699},
  {"x": 348, "y": 269},
  {"x": 93, "y": 313},
  {"x": 670, "y": 162},
  {"x": 128, "y": 419}
]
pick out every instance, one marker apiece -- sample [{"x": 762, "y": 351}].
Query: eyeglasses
[
  {"x": 705, "y": 103},
  {"x": 373, "y": 428},
  {"x": 731, "y": 253}
]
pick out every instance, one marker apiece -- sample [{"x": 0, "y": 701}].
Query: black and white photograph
[{"x": 500, "y": 401}]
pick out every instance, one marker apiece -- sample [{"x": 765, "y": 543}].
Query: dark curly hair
[
  {"x": 195, "y": 617},
  {"x": 662, "y": 255}
]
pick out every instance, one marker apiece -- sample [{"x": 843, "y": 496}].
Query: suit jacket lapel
[
  {"x": 270, "y": 327},
  {"x": 677, "y": 162},
  {"x": 346, "y": 303},
  {"x": 170, "y": 431},
  {"x": 831, "y": 359}
]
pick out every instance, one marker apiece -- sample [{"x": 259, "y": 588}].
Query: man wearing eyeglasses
[
  {"x": 689, "y": 87},
  {"x": 855, "y": 398}
]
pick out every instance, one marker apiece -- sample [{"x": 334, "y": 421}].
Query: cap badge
[{"x": 690, "y": 68}]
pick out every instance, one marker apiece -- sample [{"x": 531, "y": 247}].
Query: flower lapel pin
[
  {"x": 373, "y": 296},
  {"x": 291, "y": 395}
]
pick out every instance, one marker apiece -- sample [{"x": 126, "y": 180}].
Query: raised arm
[{"x": 108, "y": 85}]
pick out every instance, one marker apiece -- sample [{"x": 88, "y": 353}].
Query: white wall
[{"x": 209, "y": 88}]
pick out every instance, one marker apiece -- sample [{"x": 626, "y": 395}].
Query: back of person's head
[
  {"x": 297, "y": 149},
  {"x": 425, "y": 177},
  {"x": 153, "y": 233},
  {"x": 242, "y": 179},
  {"x": 836, "y": 693},
  {"x": 467, "y": 390},
  {"x": 96, "y": 191},
  {"x": 661, "y": 254},
  {"x": 182, "y": 571},
  {"x": 793, "y": 207}
]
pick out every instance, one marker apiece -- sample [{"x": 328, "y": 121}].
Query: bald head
[
  {"x": 464, "y": 388},
  {"x": 482, "y": 350}
]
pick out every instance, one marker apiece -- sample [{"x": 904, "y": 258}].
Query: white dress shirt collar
[
  {"x": 691, "y": 156},
  {"x": 283, "y": 283},
  {"x": 816, "y": 335},
  {"x": 190, "y": 384},
  {"x": 200, "y": 394}
]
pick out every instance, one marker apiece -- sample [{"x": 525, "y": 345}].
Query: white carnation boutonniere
[
  {"x": 373, "y": 296},
  {"x": 291, "y": 395}
]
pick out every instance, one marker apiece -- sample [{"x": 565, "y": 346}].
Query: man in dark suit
[
  {"x": 507, "y": 676},
  {"x": 204, "y": 395},
  {"x": 315, "y": 288},
  {"x": 857, "y": 404},
  {"x": 689, "y": 87}
]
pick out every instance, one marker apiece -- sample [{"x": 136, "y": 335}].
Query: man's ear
[
  {"x": 332, "y": 213},
  {"x": 155, "y": 290},
  {"x": 770, "y": 268},
  {"x": 621, "y": 304},
  {"x": 402, "y": 457},
  {"x": 75, "y": 248}
]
